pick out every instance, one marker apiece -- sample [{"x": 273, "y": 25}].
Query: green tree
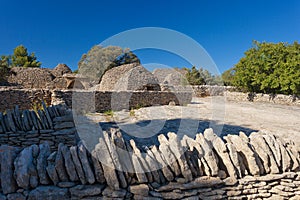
[
  {"x": 201, "y": 77},
  {"x": 269, "y": 68},
  {"x": 21, "y": 58},
  {"x": 227, "y": 77},
  {"x": 4, "y": 67},
  {"x": 100, "y": 59}
]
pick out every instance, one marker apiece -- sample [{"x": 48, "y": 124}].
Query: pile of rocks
[
  {"x": 207, "y": 167},
  {"x": 24, "y": 128}
]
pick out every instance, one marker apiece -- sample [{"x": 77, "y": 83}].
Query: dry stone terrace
[{"x": 203, "y": 167}]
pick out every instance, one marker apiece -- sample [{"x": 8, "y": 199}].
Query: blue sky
[{"x": 61, "y": 31}]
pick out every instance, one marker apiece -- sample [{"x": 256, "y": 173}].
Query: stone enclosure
[{"x": 203, "y": 167}]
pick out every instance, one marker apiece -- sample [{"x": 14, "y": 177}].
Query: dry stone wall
[
  {"x": 204, "y": 167},
  {"x": 25, "y": 98},
  {"x": 100, "y": 100},
  {"x": 233, "y": 94},
  {"x": 53, "y": 124}
]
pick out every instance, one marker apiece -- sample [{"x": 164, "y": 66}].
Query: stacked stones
[
  {"x": 207, "y": 167},
  {"x": 26, "y": 98},
  {"x": 24, "y": 128}
]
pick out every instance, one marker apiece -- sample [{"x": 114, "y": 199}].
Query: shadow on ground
[{"x": 145, "y": 132}]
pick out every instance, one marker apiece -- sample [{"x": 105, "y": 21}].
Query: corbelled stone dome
[{"x": 129, "y": 77}]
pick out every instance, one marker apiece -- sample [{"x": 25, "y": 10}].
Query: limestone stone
[
  {"x": 108, "y": 167},
  {"x": 51, "y": 171},
  {"x": 163, "y": 165},
  {"x": 82, "y": 154},
  {"x": 169, "y": 157},
  {"x": 16, "y": 196},
  {"x": 81, "y": 191},
  {"x": 25, "y": 170},
  {"x": 7, "y": 157},
  {"x": 42, "y": 163},
  {"x": 70, "y": 167},
  {"x": 77, "y": 163},
  {"x": 99, "y": 174},
  {"x": 60, "y": 164},
  {"x": 124, "y": 157},
  {"x": 66, "y": 184},
  {"x": 209, "y": 156},
  {"x": 114, "y": 155},
  {"x": 48, "y": 192},
  {"x": 253, "y": 163},
  {"x": 108, "y": 192},
  {"x": 141, "y": 189},
  {"x": 196, "y": 155},
  {"x": 275, "y": 148},
  {"x": 178, "y": 151},
  {"x": 220, "y": 147},
  {"x": 235, "y": 159}
]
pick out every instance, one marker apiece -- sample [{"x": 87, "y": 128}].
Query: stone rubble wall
[
  {"x": 99, "y": 100},
  {"x": 204, "y": 167},
  {"x": 233, "y": 94},
  {"x": 25, "y": 98},
  {"x": 24, "y": 128}
]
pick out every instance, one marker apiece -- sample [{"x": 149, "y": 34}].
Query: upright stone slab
[
  {"x": 60, "y": 165},
  {"x": 25, "y": 170},
  {"x": 162, "y": 164},
  {"x": 209, "y": 156},
  {"x": 42, "y": 163},
  {"x": 169, "y": 157},
  {"x": 114, "y": 155},
  {"x": 108, "y": 166},
  {"x": 78, "y": 166},
  {"x": 262, "y": 148},
  {"x": 51, "y": 171},
  {"x": 220, "y": 148},
  {"x": 70, "y": 167},
  {"x": 251, "y": 160},
  {"x": 82, "y": 154},
  {"x": 176, "y": 148},
  {"x": 99, "y": 174},
  {"x": 7, "y": 157}
]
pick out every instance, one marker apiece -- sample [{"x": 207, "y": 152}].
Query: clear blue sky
[{"x": 61, "y": 31}]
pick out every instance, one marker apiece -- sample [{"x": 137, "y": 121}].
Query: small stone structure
[
  {"x": 170, "y": 76},
  {"x": 204, "y": 167},
  {"x": 132, "y": 77},
  {"x": 40, "y": 78}
]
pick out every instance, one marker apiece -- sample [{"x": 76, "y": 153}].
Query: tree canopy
[
  {"x": 21, "y": 58},
  {"x": 100, "y": 59},
  {"x": 269, "y": 68},
  {"x": 201, "y": 76}
]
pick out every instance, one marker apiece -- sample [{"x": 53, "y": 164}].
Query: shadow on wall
[{"x": 141, "y": 130}]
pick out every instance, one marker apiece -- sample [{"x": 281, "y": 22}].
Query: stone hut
[
  {"x": 60, "y": 70},
  {"x": 30, "y": 77},
  {"x": 168, "y": 76},
  {"x": 129, "y": 77},
  {"x": 43, "y": 78}
]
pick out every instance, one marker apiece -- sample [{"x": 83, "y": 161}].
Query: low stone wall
[
  {"x": 266, "y": 98},
  {"x": 53, "y": 124},
  {"x": 233, "y": 94},
  {"x": 25, "y": 98},
  {"x": 207, "y": 167},
  {"x": 98, "y": 101}
]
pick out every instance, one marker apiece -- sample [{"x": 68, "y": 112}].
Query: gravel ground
[{"x": 223, "y": 116}]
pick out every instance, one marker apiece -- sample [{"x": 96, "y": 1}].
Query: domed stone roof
[
  {"x": 129, "y": 77},
  {"x": 60, "y": 70}
]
